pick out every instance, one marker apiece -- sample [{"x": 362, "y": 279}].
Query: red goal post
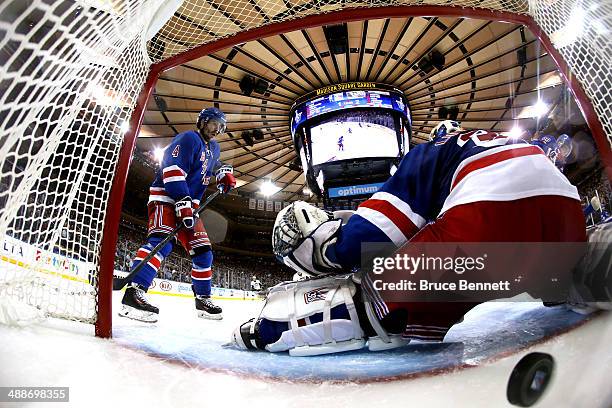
[{"x": 135, "y": 79}]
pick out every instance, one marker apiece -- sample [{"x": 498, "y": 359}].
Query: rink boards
[{"x": 166, "y": 287}]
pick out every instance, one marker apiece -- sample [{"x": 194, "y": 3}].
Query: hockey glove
[
  {"x": 309, "y": 256},
  {"x": 184, "y": 211},
  {"x": 225, "y": 178}
]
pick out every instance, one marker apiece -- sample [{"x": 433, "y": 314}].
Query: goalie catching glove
[
  {"x": 301, "y": 235},
  {"x": 225, "y": 178}
]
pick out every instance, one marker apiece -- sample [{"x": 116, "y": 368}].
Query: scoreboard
[{"x": 390, "y": 98}]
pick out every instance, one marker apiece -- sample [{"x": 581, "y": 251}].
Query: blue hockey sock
[
  {"x": 201, "y": 273},
  {"x": 146, "y": 275}
]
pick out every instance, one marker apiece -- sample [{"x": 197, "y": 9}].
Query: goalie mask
[
  {"x": 443, "y": 128},
  {"x": 301, "y": 234}
]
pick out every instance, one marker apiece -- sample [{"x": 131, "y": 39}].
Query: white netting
[
  {"x": 70, "y": 73},
  {"x": 198, "y": 22},
  {"x": 580, "y": 30}
]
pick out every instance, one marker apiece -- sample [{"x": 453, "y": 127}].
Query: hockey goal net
[{"x": 73, "y": 86}]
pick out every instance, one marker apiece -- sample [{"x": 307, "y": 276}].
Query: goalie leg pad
[
  {"x": 383, "y": 340},
  {"x": 314, "y": 317},
  {"x": 320, "y": 338},
  {"x": 297, "y": 303},
  {"x": 317, "y": 316}
]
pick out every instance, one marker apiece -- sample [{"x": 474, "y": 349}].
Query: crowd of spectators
[
  {"x": 230, "y": 270},
  {"x": 375, "y": 117},
  {"x": 597, "y": 185}
]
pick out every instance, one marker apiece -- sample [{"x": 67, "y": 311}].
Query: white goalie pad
[
  {"x": 303, "y": 299},
  {"x": 311, "y": 338},
  {"x": 293, "y": 302}
]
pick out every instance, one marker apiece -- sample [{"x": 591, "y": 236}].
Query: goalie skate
[
  {"x": 207, "y": 309},
  {"x": 135, "y": 305}
]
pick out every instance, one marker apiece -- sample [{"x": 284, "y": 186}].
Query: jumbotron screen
[
  {"x": 347, "y": 100},
  {"x": 354, "y": 134}
]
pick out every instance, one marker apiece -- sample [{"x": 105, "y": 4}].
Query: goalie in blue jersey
[
  {"x": 463, "y": 186},
  {"x": 189, "y": 163}
]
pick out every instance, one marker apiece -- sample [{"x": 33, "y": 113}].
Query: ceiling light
[
  {"x": 516, "y": 132},
  {"x": 570, "y": 32},
  {"x": 268, "y": 188},
  {"x": 540, "y": 108},
  {"x": 103, "y": 96},
  {"x": 159, "y": 154}
]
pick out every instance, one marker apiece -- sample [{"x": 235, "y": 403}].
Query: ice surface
[
  {"x": 180, "y": 362},
  {"x": 488, "y": 330}
]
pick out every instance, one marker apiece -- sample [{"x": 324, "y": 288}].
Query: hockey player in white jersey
[{"x": 464, "y": 186}]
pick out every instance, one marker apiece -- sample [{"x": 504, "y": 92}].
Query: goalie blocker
[{"x": 319, "y": 316}]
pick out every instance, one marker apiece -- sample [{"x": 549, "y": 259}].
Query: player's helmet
[
  {"x": 564, "y": 145},
  {"x": 443, "y": 128},
  {"x": 212, "y": 114}
]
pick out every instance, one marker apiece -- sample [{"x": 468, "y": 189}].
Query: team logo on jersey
[
  {"x": 314, "y": 295},
  {"x": 176, "y": 151}
]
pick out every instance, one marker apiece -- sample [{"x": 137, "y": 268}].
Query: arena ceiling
[{"x": 493, "y": 72}]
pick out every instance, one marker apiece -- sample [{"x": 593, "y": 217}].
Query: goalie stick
[{"x": 119, "y": 283}]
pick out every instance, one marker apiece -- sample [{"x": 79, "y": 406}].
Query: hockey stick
[{"x": 119, "y": 283}]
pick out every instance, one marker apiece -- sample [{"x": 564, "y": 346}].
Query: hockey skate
[
  {"x": 207, "y": 309},
  {"x": 135, "y": 305}
]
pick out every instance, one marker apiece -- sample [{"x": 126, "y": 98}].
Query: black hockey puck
[{"x": 529, "y": 379}]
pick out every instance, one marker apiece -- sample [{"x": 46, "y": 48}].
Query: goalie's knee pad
[{"x": 318, "y": 316}]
